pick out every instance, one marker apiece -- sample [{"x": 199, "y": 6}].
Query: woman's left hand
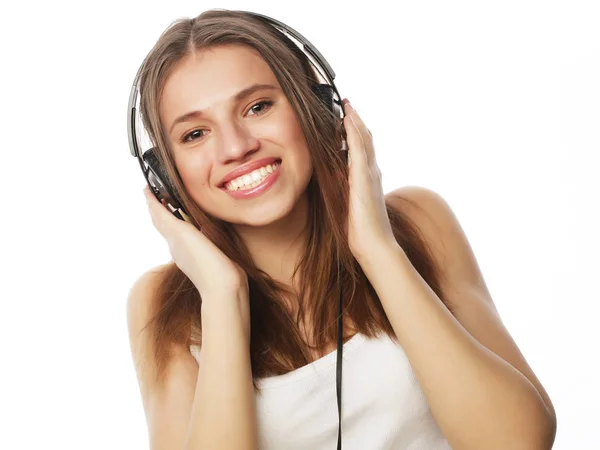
[{"x": 368, "y": 224}]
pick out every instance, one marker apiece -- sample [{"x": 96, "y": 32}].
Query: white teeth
[{"x": 251, "y": 179}]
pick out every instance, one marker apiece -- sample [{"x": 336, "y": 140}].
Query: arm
[
  {"x": 204, "y": 406},
  {"x": 224, "y": 413},
  {"x": 479, "y": 387}
]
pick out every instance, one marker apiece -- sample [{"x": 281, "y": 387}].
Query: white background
[{"x": 494, "y": 105}]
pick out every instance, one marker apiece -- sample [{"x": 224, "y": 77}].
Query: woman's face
[{"x": 214, "y": 131}]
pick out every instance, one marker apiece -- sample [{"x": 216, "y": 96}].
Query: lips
[{"x": 247, "y": 168}]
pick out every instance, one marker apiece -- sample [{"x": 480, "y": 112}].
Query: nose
[{"x": 237, "y": 141}]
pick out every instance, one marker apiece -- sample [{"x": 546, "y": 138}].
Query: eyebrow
[{"x": 237, "y": 97}]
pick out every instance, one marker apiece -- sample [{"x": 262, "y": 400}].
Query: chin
[{"x": 263, "y": 213}]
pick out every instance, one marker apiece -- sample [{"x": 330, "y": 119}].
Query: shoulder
[
  {"x": 142, "y": 306},
  {"x": 141, "y": 298},
  {"x": 430, "y": 212},
  {"x": 420, "y": 203},
  {"x": 444, "y": 235}
]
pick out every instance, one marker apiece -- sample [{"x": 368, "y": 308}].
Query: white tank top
[{"x": 383, "y": 406}]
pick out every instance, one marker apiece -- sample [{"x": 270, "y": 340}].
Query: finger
[
  {"x": 364, "y": 133},
  {"x": 356, "y": 144}
]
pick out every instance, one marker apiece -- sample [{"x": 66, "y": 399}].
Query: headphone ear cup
[
  {"x": 326, "y": 94},
  {"x": 158, "y": 176}
]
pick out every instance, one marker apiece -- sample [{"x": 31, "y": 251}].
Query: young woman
[{"x": 233, "y": 342}]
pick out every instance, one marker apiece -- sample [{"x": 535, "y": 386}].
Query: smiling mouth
[{"x": 250, "y": 181}]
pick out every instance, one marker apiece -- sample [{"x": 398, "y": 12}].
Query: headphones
[{"x": 158, "y": 180}]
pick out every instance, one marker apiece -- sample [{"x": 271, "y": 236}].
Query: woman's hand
[
  {"x": 368, "y": 223},
  {"x": 211, "y": 271}
]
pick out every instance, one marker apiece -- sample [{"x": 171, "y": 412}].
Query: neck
[{"x": 277, "y": 247}]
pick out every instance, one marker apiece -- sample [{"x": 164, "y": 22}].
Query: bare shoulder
[
  {"x": 167, "y": 405},
  {"x": 420, "y": 203},
  {"x": 141, "y": 306},
  {"x": 141, "y": 300},
  {"x": 444, "y": 235}
]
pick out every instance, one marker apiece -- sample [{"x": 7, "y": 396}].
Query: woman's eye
[
  {"x": 187, "y": 137},
  {"x": 267, "y": 103}
]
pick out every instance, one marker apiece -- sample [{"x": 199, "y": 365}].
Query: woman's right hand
[{"x": 211, "y": 271}]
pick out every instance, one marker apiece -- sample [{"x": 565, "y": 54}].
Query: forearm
[
  {"x": 223, "y": 413},
  {"x": 479, "y": 400}
]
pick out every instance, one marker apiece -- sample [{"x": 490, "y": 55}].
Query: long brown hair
[{"x": 276, "y": 345}]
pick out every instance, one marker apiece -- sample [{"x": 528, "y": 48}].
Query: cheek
[
  {"x": 194, "y": 173},
  {"x": 302, "y": 155},
  {"x": 291, "y": 131}
]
